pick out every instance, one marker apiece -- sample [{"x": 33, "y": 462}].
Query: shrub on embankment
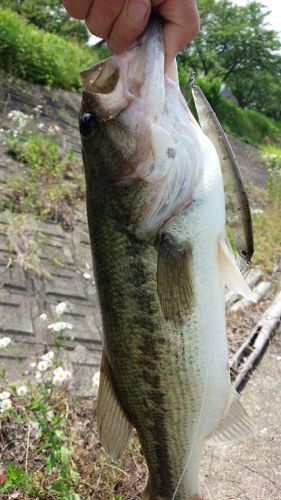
[{"x": 38, "y": 56}]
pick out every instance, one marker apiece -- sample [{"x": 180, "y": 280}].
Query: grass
[
  {"x": 247, "y": 124},
  {"x": 49, "y": 443},
  {"x": 51, "y": 180},
  {"x": 267, "y": 231},
  {"x": 37, "y": 56}
]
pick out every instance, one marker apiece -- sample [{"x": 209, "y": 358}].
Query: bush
[
  {"x": 247, "y": 124},
  {"x": 37, "y": 56}
]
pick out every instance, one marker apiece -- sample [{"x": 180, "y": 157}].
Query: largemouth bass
[{"x": 155, "y": 205}]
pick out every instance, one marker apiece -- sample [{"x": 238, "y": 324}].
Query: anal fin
[
  {"x": 235, "y": 425},
  {"x": 113, "y": 426},
  {"x": 174, "y": 280}
]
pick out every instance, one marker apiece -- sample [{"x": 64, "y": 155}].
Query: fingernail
[{"x": 137, "y": 9}]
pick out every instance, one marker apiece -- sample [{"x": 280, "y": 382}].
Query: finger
[
  {"x": 129, "y": 24},
  {"x": 102, "y": 16},
  {"x": 182, "y": 24},
  {"x": 79, "y": 10}
]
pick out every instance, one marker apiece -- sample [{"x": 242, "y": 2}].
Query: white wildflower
[
  {"x": 43, "y": 365},
  {"x": 43, "y": 317},
  {"x": 40, "y": 126},
  {"x": 49, "y": 356},
  {"x": 96, "y": 379},
  {"x": 86, "y": 275},
  {"x": 5, "y": 405},
  {"x": 4, "y": 342},
  {"x": 33, "y": 364},
  {"x": 22, "y": 390},
  {"x": 57, "y": 370},
  {"x": 38, "y": 376},
  {"x": 4, "y": 395},
  {"x": 19, "y": 118},
  {"x": 61, "y": 308},
  {"x": 59, "y": 326},
  {"x": 58, "y": 379}
]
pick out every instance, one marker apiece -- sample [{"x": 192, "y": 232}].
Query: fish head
[
  {"x": 139, "y": 135},
  {"x": 122, "y": 95}
]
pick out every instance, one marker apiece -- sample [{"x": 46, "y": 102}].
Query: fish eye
[{"x": 88, "y": 124}]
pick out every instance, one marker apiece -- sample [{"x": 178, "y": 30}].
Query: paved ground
[
  {"x": 24, "y": 295},
  {"x": 252, "y": 470}
]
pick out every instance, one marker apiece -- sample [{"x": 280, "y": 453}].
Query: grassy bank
[
  {"x": 247, "y": 124},
  {"x": 40, "y": 57}
]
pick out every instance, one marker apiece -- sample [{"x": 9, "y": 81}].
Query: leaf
[
  {"x": 74, "y": 474},
  {"x": 64, "y": 454}
]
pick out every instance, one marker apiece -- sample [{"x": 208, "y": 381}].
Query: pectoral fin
[
  {"x": 174, "y": 280},
  {"x": 235, "y": 424},
  {"x": 231, "y": 275},
  {"x": 113, "y": 425}
]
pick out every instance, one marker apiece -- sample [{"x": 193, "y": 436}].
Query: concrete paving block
[
  {"x": 15, "y": 314},
  {"x": 65, "y": 284},
  {"x": 12, "y": 277},
  {"x": 3, "y": 242}
]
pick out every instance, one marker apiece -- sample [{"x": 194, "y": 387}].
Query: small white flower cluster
[
  {"x": 21, "y": 390},
  {"x": 4, "y": 342},
  {"x": 59, "y": 326},
  {"x": 61, "y": 375},
  {"x": 53, "y": 129},
  {"x": 20, "y": 119},
  {"x": 38, "y": 110},
  {"x": 45, "y": 362},
  {"x": 61, "y": 308},
  {"x": 5, "y": 402}
]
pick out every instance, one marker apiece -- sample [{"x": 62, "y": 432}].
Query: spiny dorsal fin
[
  {"x": 113, "y": 425},
  {"x": 235, "y": 425},
  {"x": 174, "y": 281},
  {"x": 231, "y": 274}
]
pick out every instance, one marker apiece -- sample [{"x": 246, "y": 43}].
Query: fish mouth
[{"x": 137, "y": 74}]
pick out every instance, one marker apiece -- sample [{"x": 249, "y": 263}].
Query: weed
[
  {"x": 272, "y": 158},
  {"x": 50, "y": 182},
  {"x": 42, "y": 410}
]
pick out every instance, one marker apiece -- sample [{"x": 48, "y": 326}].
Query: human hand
[{"x": 121, "y": 22}]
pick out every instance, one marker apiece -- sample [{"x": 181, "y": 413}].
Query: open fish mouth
[{"x": 137, "y": 74}]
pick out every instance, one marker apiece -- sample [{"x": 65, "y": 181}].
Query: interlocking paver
[
  {"x": 16, "y": 314},
  {"x": 24, "y": 295}
]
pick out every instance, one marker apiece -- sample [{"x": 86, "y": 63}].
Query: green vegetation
[
  {"x": 38, "y": 56},
  {"x": 50, "y": 16},
  {"x": 237, "y": 45},
  {"x": 55, "y": 176},
  {"x": 247, "y": 124},
  {"x": 50, "y": 448},
  {"x": 267, "y": 229}
]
